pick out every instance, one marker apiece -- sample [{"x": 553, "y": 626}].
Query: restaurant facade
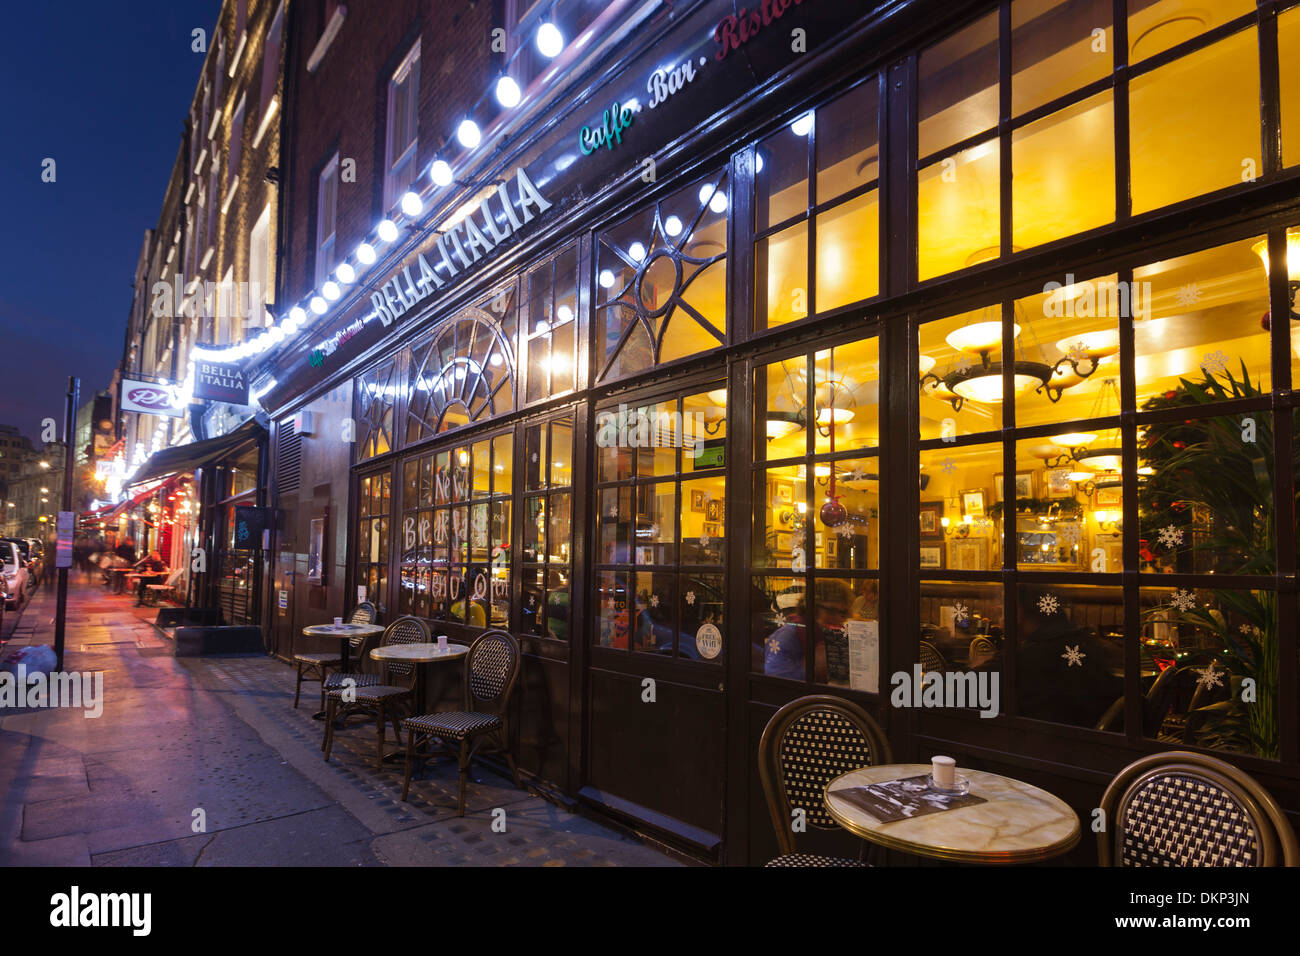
[{"x": 806, "y": 347}]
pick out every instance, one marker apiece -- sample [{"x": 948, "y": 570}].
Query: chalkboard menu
[{"x": 837, "y": 655}]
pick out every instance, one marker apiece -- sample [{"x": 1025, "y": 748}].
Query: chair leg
[
  {"x": 410, "y": 759},
  {"x": 464, "y": 772},
  {"x": 379, "y": 723},
  {"x": 298, "y": 693},
  {"x": 330, "y": 710}
]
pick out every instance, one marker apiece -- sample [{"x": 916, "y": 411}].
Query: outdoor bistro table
[
  {"x": 1019, "y": 823},
  {"x": 418, "y": 654},
  {"x": 343, "y": 633}
]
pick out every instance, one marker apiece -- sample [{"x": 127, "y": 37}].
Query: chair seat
[
  {"x": 319, "y": 657},
  {"x": 453, "y": 723},
  {"x": 373, "y": 693},
  {"x": 812, "y": 859},
  {"x": 335, "y": 680}
]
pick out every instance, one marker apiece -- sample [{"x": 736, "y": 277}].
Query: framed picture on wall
[
  {"x": 972, "y": 502},
  {"x": 931, "y": 556},
  {"x": 1056, "y": 483},
  {"x": 1110, "y": 497},
  {"x": 931, "y": 519},
  {"x": 713, "y": 510},
  {"x": 712, "y": 530},
  {"x": 783, "y": 541},
  {"x": 699, "y": 499},
  {"x": 1024, "y": 486},
  {"x": 970, "y": 554}
]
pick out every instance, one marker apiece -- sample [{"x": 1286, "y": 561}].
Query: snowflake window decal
[
  {"x": 1183, "y": 600},
  {"x": 1048, "y": 604},
  {"x": 649, "y": 265},
  {"x": 1170, "y": 536},
  {"x": 1210, "y": 677},
  {"x": 1073, "y": 657}
]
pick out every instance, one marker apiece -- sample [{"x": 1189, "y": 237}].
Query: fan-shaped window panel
[
  {"x": 661, "y": 281},
  {"x": 464, "y": 372},
  {"x": 376, "y": 392}
]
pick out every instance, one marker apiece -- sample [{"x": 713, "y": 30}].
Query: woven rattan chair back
[
  {"x": 931, "y": 659},
  {"x": 1191, "y": 810},
  {"x": 405, "y": 630},
  {"x": 491, "y": 667},
  {"x": 807, "y": 743},
  {"x": 363, "y": 613},
  {"x": 981, "y": 647}
]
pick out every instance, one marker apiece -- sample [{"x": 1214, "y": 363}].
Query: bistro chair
[
  {"x": 931, "y": 659},
  {"x": 1155, "y": 705},
  {"x": 1187, "y": 809},
  {"x": 981, "y": 649},
  {"x": 491, "y": 668},
  {"x": 315, "y": 665},
  {"x": 381, "y": 700},
  {"x": 808, "y": 743}
]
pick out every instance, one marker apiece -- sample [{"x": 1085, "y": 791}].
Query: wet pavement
[{"x": 204, "y": 762}]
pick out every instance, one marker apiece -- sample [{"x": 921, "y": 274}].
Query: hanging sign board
[
  {"x": 63, "y": 546},
  {"x": 149, "y": 399},
  {"x": 220, "y": 382}
]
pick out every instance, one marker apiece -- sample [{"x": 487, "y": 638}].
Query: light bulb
[
  {"x": 719, "y": 202},
  {"x": 467, "y": 134},
  {"x": 298, "y": 315},
  {"x": 318, "y": 305},
  {"x": 387, "y": 231},
  {"x": 345, "y": 273},
  {"x": 672, "y": 226},
  {"x": 508, "y": 94},
  {"x": 636, "y": 251},
  {"x": 803, "y": 125},
  {"x": 412, "y": 205},
  {"x": 366, "y": 253},
  {"x": 440, "y": 172},
  {"x": 606, "y": 279},
  {"x": 550, "y": 41},
  {"x": 331, "y": 290}
]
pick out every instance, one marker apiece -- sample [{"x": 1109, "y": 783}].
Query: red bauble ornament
[
  {"x": 1266, "y": 321},
  {"x": 833, "y": 513}
]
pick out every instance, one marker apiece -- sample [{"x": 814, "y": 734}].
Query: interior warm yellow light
[
  {"x": 718, "y": 397},
  {"x": 836, "y": 416},
  {"x": 926, "y": 362},
  {"x": 988, "y": 388},
  {"x": 1101, "y": 462},
  {"x": 779, "y": 427},
  {"x": 1292, "y": 254},
  {"x": 1074, "y": 439},
  {"x": 1094, "y": 345},
  {"x": 1081, "y": 476},
  {"x": 980, "y": 337}
]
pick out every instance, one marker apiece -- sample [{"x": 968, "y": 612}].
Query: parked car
[
  {"x": 30, "y": 560},
  {"x": 13, "y": 571}
]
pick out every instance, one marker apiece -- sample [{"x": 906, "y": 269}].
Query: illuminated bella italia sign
[{"x": 460, "y": 247}]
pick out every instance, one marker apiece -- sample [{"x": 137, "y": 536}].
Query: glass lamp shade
[
  {"x": 1074, "y": 439},
  {"x": 1101, "y": 459},
  {"x": 1092, "y": 345},
  {"x": 927, "y": 363},
  {"x": 1292, "y": 254},
  {"x": 987, "y": 387},
  {"x": 980, "y": 337},
  {"x": 837, "y": 416},
  {"x": 718, "y": 397},
  {"x": 781, "y": 424}
]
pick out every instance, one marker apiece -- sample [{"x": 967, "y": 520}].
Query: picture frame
[
  {"x": 1056, "y": 483},
  {"x": 713, "y": 510},
  {"x": 783, "y": 541},
  {"x": 784, "y": 493},
  {"x": 1110, "y": 497},
  {"x": 970, "y": 554},
  {"x": 931, "y": 519},
  {"x": 1024, "y": 486},
  {"x": 699, "y": 499},
  {"x": 972, "y": 502},
  {"x": 931, "y": 556},
  {"x": 712, "y": 530}
]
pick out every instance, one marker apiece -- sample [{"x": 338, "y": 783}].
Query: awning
[
  {"x": 185, "y": 458},
  {"x": 137, "y": 496}
]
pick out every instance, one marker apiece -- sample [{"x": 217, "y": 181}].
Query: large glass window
[
  {"x": 455, "y": 533},
  {"x": 816, "y": 528},
  {"x": 661, "y": 515},
  {"x": 548, "y": 528},
  {"x": 550, "y": 333},
  {"x": 661, "y": 290},
  {"x": 817, "y": 200},
  {"x": 1198, "y": 101},
  {"x": 374, "y": 498}
]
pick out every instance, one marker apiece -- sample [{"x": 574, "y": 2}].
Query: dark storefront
[{"x": 665, "y": 422}]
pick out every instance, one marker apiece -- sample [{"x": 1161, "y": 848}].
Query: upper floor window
[
  {"x": 261, "y": 282},
  {"x": 551, "y": 325},
  {"x": 326, "y": 207},
  {"x": 236, "y": 148},
  {"x": 403, "y": 128},
  {"x": 270, "y": 72}
]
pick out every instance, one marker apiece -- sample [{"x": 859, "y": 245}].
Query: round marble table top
[
  {"x": 342, "y": 631},
  {"x": 1018, "y": 823},
  {"x": 419, "y": 653}
]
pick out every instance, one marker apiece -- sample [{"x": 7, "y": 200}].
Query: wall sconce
[
  {"x": 1292, "y": 267},
  {"x": 1112, "y": 521}
]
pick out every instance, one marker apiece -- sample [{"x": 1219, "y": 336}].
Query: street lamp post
[{"x": 69, "y": 426}]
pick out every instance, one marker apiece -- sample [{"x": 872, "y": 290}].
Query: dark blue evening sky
[{"x": 103, "y": 89}]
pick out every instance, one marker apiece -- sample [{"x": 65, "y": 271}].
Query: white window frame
[
  {"x": 399, "y": 167},
  {"x": 259, "y": 269},
  {"x": 271, "y": 46},
  {"x": 325, "y": 243}
]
